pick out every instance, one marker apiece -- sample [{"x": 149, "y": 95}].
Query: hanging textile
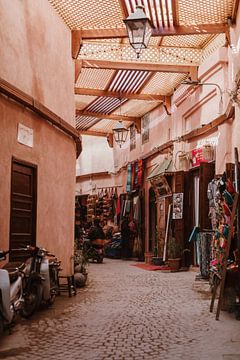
[
  {"x": 136, "y": 176},
  {"x": 129, "y": 178},
  {"x": 132, "y": 176},
  {"x": 137, "y": 244},
  {"x": 204, "y": 240},
  {"x": 140, "y": 173},
  {"x": 223, "y": 207}
]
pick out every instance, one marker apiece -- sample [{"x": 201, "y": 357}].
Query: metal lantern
[
  {"x": 139, "y": 29},
  {"x": 120, "y": 133}
]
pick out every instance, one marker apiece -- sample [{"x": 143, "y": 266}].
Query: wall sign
[
  {"x": 145, "y": 128},
  {"x": 25, "y": 135},
  {"x": 197, "y": 157},
  {"x": 132, "y": 137},
  {"x": 177, "y": 206}
]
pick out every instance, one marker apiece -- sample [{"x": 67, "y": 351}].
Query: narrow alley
[{"x": 127, "y": 313}]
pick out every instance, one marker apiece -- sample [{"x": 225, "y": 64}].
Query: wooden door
[
  {"x": 23, "y": 207},
  {"x": 152, "y": 219},
  {"x": 178, "y": 224}
]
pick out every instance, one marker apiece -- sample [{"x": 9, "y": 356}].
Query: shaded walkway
[{"x": 127, "y": 313}]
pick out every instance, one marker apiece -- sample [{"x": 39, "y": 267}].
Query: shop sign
[
  {"x": 177, "y": 206},
  {"x": 197, "y": 157},
  {"x": 25, "y": 135}
]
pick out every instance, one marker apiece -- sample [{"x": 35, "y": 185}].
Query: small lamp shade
[
  {"x": 139, "y": 29},
  {"x": 120, "y": 133}
]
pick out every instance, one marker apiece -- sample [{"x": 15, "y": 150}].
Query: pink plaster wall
[
  {"x": 96, "y": 155},
  {"x": 234, "y": 70},
  {"x": 36, "y": 54},
  {"x": 37, "y": 60},
  {"x": 56, "y": 185}
]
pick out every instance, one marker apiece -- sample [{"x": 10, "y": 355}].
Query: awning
[{"x": 165, "y": 168}]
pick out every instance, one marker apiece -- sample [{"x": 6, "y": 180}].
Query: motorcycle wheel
[
  {"x": 52, "y": 298},
  {"x": 32, "y": 300},
  {"x": 100, "y": 259}
]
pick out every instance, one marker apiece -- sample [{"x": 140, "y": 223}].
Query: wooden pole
[{"x": 166, "y": 234}]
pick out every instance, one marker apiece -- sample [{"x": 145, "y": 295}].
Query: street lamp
[
  {"x": 139, "y": 29},
  {"x": 120, "y": 133}
]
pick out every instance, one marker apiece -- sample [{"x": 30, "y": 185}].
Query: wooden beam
[
  {"x": 194, "y": 73},
  {"x": 138, "y": 125},
  {"x": 175, "y": 12},
  {"x": 213, "y": 125},
  {"x": 78, "y": 68},
  {"x": 120, "y": 95},
  {"x": 167, "y": 105},
  {"x": 110, "y": 140},
  {"x": 172, "y": 31},
  {"x": 105, "y": 116},
  {"x": 93, "y": 133},
  {"x": 124, "y": 8},
  {"x": 130, "y": 65},
  {"x": 234, "y": 11},
  {"x": 76, "y": 42}
]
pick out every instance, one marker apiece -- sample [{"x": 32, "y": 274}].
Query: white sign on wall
[
  {"x": 177, "y": 206},
  {"x": 25, "y": 135}
]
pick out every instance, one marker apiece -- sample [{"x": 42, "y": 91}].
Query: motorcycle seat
[
  {"x": 13, "y": 269},
  {"x": 14, "y": 265}
]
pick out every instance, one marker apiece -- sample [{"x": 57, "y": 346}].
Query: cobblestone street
[{"x": 127, "y": 313}]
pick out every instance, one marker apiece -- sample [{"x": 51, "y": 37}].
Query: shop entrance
[
  {"x": 23, "y": 207},
  {"x": 152, "y": 219},
  {"x": 198, "y": 202}
]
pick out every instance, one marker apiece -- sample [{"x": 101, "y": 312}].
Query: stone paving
[{"x": 127, "y": 313}]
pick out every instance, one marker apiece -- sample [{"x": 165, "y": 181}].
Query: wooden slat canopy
[{"x": 185, "y": 33}]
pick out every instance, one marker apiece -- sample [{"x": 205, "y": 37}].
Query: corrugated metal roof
[{"x": 166, "y": 167}]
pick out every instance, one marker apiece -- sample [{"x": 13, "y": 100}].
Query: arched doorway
[{"x": 152, "y": 219}]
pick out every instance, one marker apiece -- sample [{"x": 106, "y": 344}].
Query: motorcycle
[
  {"x": 42, "y": 284},
  {"x": 11, "y": 290},
  {"x": 93, "y": 250}
]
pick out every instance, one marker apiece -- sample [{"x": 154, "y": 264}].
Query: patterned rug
[{"x": 151, "y": 267}]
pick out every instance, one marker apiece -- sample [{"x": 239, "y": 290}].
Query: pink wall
[
  {"x": 56, "y": 187},
  {"x": 96, "y": 155},
  {"x": 37, "y": 54},
  {"x": 37, "y": 60},
  {"x": 234, "y": 71}
]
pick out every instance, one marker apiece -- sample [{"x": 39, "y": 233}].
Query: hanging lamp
[
  {"x": 139, "y": 29},
  {"x": 120, "y": 132}
]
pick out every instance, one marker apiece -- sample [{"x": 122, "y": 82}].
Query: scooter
[
  {"x": 93, "y": 250},
  {"x": 11, "y": 291},
  {"x": 42, "y": 283}
]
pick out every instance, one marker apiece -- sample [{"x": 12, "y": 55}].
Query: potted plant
[{"x": 174, "y": 251}]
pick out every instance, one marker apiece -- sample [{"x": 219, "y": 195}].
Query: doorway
[
  {"x": 23, "y": 207},
  {"x": 152, "y": 219}
]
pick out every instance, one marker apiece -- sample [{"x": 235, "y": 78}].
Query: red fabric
[
  {"x": 118, "y": 210},
  {"x": 140, "y": 172},
  {"x": 230, "y": 187},
  {"x": 150, "y": 267}
]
